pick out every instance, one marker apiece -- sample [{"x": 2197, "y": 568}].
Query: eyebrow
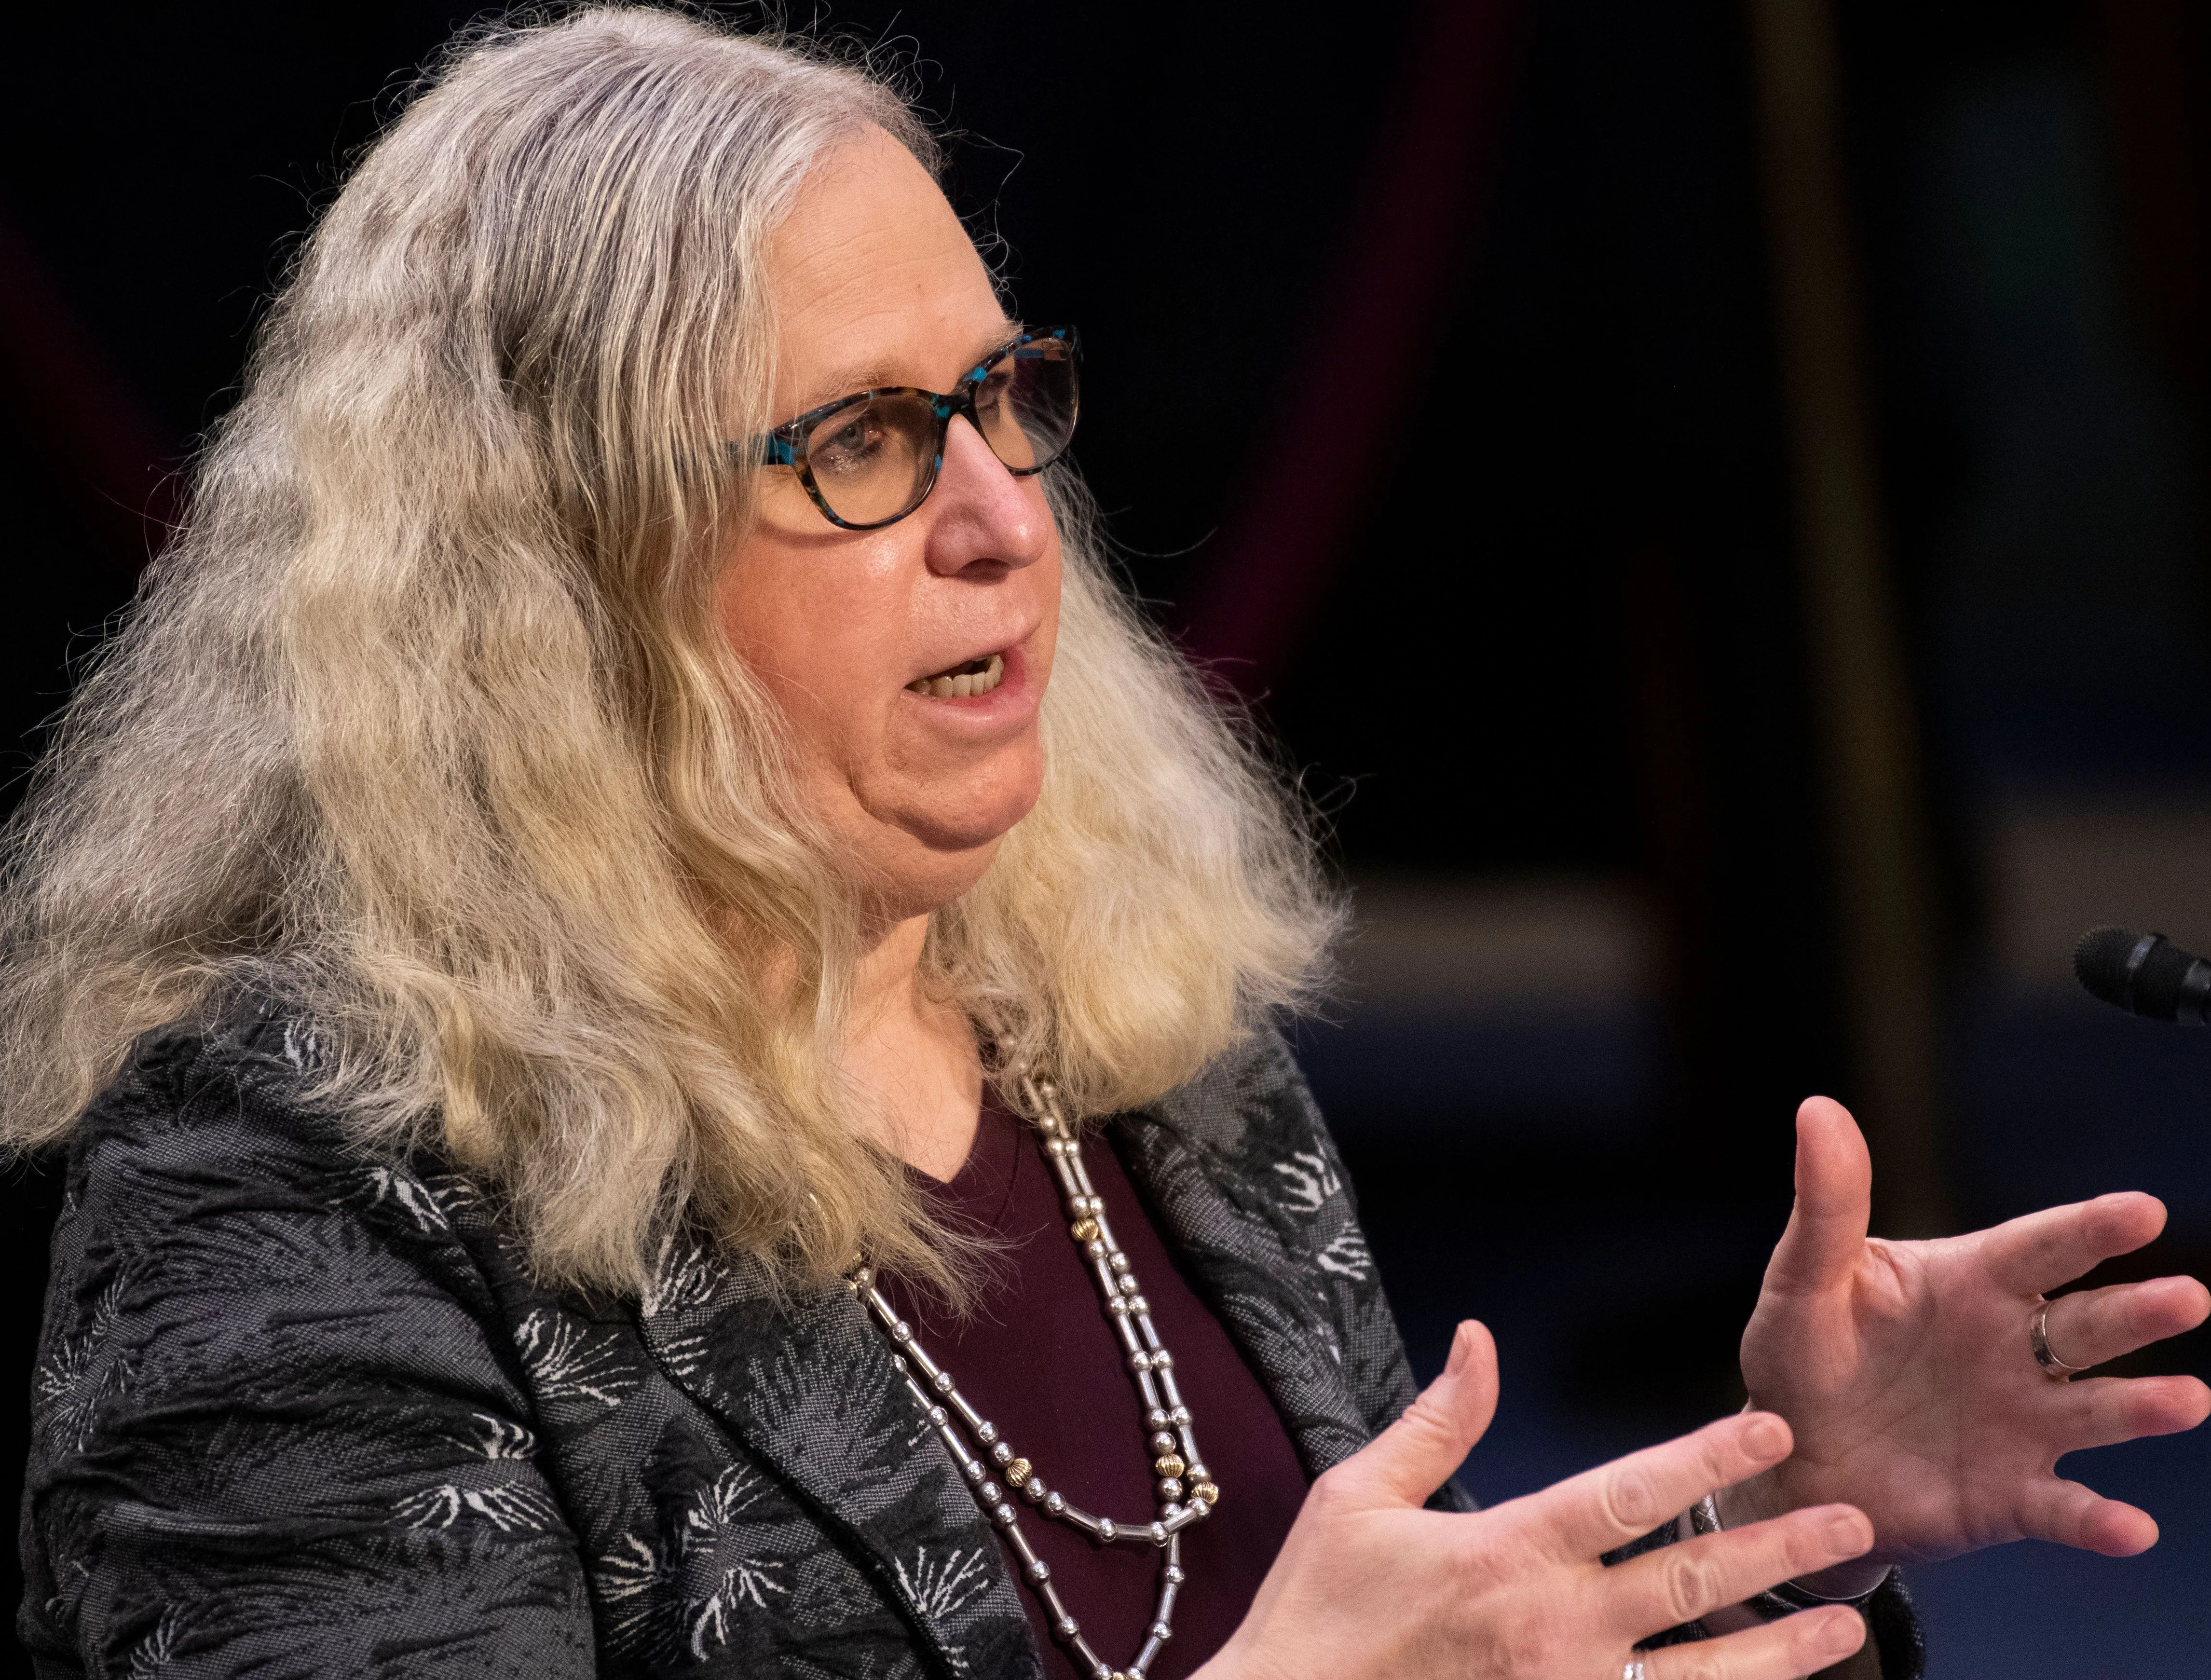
[{"x": 868, "y": 376}]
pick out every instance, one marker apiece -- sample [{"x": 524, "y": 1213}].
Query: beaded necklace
[{"x": 1185, "y": 1489}]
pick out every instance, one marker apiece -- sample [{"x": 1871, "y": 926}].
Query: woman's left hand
[{"x": 1907, "y": 1372}]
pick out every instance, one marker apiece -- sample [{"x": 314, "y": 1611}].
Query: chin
[{"x": 937, "y": 860}]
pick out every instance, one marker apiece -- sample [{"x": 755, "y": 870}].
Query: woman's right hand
[{"x": 1369, "y": 1584}]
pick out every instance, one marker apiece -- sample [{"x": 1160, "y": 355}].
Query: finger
[
  {"x": 2073, "y": 1516},
  {"x": 1834, "y": 1201},
  {"x": 1415, "y": 1455},
  {"x": 1589, "y": 1514},
  {"x": 2095, "y": 1325},
  {"x": 2041, "y": 1251},
  {"x": 1684, "y": 1583},
  {"x": 1795, "y": 1645},
  {"x": 2103, "y": 1411}
]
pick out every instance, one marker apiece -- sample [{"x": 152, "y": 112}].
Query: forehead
[{"x": 874, "y": 281}]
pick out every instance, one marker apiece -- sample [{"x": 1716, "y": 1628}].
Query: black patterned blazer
[{"x": 300, "y": 1410}]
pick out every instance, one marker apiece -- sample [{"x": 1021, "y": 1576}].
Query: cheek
[{"x": 828, "y": 658}]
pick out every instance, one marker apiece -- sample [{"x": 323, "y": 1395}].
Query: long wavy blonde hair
[{"x": 424, "y": 722}]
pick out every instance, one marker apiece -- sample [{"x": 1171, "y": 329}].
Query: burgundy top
[{"x": 1039, "y": 1359}]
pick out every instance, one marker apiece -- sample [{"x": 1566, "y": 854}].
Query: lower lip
[{"x": 1009, "y": 699}]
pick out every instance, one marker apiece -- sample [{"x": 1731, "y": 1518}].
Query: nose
[{"x": 983, "y": 515}]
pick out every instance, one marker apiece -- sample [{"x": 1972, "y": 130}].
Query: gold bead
[
  {"x": 1169, "y": 1464},
  {"x": 1017, "y": 1473},
  {"x": 1085, "y": 1230},
  {"x": 1206, "y": 1491}
]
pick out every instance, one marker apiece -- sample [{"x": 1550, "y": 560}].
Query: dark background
[{"x": 1438, "y": 393}]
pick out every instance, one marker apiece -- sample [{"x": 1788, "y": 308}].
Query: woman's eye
[{"x": 852, "y": 445}]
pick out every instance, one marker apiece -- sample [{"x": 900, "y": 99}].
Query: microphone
[{"x": 2146, "y": 974}]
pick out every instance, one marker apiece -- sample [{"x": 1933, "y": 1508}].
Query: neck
[{"x": 913, "y": 1059}]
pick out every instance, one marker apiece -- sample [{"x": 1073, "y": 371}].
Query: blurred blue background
[{"x": 1709, "y": 499}]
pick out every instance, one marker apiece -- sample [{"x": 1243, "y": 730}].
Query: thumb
[
  {"x": 1415, "y": 1455},
  {"x": 1834, "y": 1201}
]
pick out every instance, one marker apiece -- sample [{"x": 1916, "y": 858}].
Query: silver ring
[{"x": 2038, "y": 1336}]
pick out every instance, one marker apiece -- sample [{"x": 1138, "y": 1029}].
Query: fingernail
[
  {"x": 1847, "y": 1530},
  {"x": 1765, "y": 1438},
  {"x": 1462, "y": 1350},
  {"x": 1843, "y": 1634}
]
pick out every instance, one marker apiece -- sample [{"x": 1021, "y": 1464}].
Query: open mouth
[{"x": 963, "y": 681}]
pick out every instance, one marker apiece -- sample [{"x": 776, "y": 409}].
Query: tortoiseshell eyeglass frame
[{"x": 785, "y": 445}]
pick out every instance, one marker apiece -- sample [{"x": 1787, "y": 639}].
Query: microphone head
[
  {"x": 2144, "y": 973},
  {"x": 2103, "y": 962}
]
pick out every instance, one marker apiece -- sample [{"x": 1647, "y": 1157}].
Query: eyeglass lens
[{"x": 874, "y": 461}]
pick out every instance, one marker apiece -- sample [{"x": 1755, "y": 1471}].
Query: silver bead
[
  {"x": 1004, "y": 1516},
  {"x": 1094, "y": 1247},
  {"x": 1040, "y": 1572},
  {"x": 1179, "y": 1416},
  {"x": 1164, "y": 1360},
  {"x": 1055, "y": 1503},
  {"x": 1170, "y": 1490},
  {"x": 1066, "y": 1627},
  {"x": 1200, "y": 1507},
  {"x": 1117, "y": 1260},
  {"x": 989, "y": 1493},
  {"x": 1117, "y": 1308},
  {"x": 901, "y": 1333},
  {"x": 1161, "y": 1632},
  {"x": 939, "y": 1416},
  {"x": 1129, "y": 1284},
  {"x": 1159, "y": 1534},
  {"x": 1056, "y": 1147},
  {"x": 1107, "y": 1531},
  {"x": 989, "y": 1432},
  {"x": 1036, "y": 1490},
  {"x": 1158, "y": 1418},
  {"x": 1003, "y": 1453},
  {"x": 1139, "y": 1305},
  {"x": 1173, "y": 1574},
  {"x": 1140, "y": 1362},
  {"x": 943, "y": 1383},
  {"x": 1163, "y": 1442}
]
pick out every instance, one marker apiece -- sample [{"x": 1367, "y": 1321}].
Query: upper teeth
[{"x": 968, "y": 684}]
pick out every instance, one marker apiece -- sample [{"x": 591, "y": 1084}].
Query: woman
[{"x": 627, "y": 852}]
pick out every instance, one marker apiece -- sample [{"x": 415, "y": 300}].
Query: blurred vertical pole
[
  {"x": 1324, "y": 451},
  {"x": 1862, "y": 711}
]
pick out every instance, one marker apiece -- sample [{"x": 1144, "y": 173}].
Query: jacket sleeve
[{"x": 273, "y": 1433}]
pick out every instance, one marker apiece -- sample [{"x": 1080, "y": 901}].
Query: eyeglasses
[{"x": 870, "y": 460}]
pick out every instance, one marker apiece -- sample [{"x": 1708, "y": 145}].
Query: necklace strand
[{"x": 1184, "y": 1488}]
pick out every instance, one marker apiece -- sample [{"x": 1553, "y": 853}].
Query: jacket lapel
[
  {"x": 1244, "y": 1179},
  {"x": 809, "y": 1386}
]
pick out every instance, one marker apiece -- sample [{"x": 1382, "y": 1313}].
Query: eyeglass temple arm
[{"x": 768, "y": 450}]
